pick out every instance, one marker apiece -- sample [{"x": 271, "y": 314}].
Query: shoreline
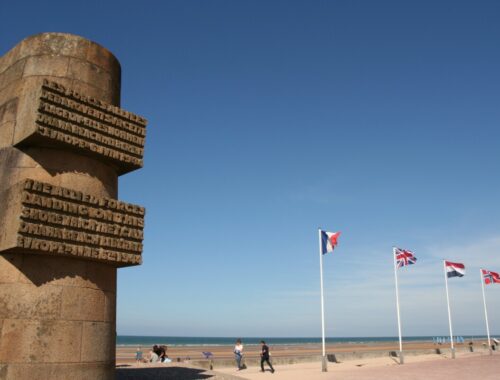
[{"x": 126, "y": 354}]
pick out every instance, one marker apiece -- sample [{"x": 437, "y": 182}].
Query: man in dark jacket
[{"x": 264, "y": 357}]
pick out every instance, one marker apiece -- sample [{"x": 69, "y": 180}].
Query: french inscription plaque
[{"x": 82, "y": 123}]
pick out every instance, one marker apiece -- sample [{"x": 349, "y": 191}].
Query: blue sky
[{"x": 268, "y": 119}]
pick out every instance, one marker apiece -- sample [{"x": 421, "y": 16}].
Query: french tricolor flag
[
  {"x": 454, "y": 269},
  {"x": 328, "y": 241}
]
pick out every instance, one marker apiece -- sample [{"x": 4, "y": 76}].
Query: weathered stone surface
[
  {"x": 65, "y": 288},
  {"x": 8, "y": 112},
  {"x": 74, "y": 371},
  {"x": 33, "y": 341},
  {"x": 62, "y": 45},
  {"x": 89, "y": 73},
  {"x": 109, "y": 307},
  {"x": 82, "y": 304},
  {"x": 46, "y": 65},
  {"x": 26, "y": 302},
  {"x": 63, "y": 143},
  {"x": 58, "y": 271},
  {"x": 8, "y": 265},
  {"x": 3, "y": 370},
  {"x": 7, "y": 132},
  {"x": 102, "y": 276},
  {"x": 61, "y": 168},
  {"x": 59, "y": 44},
  {"x": 93, "y": 349},
  {"x": 12, "y": 73}
]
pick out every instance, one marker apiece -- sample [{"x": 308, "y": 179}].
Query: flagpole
[
  {"x": 449, "y": 311},
  {"x": 324, "y": 366},
  {"x": 485, "y": 311},
  {"x": 401, "y": 358}
]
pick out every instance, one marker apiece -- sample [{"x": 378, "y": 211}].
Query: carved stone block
[
  {"x": 52, "y": 220},
  {"x": 63, "y": 118}
]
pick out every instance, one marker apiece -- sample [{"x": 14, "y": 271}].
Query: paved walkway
[
  {"x": 177, "y": 372},
  {"x": 429, "y": 367},
  {"x": 424, "y": 367}
]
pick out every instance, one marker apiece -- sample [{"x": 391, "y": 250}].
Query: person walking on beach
[
  {"x": 238, "y": 353},
  {"x": 264, "y": 357}
]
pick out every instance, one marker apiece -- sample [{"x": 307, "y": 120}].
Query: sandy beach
[{"x": 126, "y": 354}]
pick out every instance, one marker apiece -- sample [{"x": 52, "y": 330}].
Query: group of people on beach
[
  {"x": 158, "y": 354},
  {"x": 264, "y": 356}
]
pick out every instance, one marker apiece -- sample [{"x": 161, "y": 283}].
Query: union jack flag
[
  {"x": 404, "y": 257},
  {"x": 490, "y": 277}
]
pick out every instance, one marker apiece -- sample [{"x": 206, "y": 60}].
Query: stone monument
[{"x": 63, "y": 143}]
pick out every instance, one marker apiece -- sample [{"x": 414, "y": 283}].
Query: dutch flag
[
  {"x": 454, "y": 269},
  {"x": 328, "y": 241}
]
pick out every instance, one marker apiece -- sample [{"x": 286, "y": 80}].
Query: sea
[{"x": 129, "y": 340}]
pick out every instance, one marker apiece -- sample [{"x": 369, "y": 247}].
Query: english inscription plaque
[{"x": 59, "y": 221}]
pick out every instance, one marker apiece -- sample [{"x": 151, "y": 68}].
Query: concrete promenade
[
  {"x": 467, "y": 366},
  {"x": 429, "y": 367}
]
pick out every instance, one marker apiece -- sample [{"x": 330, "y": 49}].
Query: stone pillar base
[
  {"x": 57, "y": 371},
  {"x": 57, "y": 318}
]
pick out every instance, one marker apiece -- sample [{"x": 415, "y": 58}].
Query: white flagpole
[
  {"x": 401, "y": 358},
  {"x": 449, "y": 312},
  {"x": 485, "y": 311},
  {"x": 324, "y": 367}
]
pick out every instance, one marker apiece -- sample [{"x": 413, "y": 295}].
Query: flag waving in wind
[
  {"x": 454, "y": 269},
  {"x": 490, "y": 277},
  {"x": 404, "y": 257},
  {"x": 328, "y": 241}
]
